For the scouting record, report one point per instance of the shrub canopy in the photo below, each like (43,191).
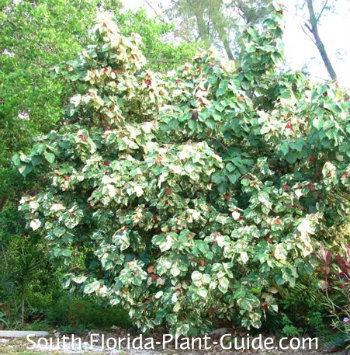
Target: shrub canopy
(194,195)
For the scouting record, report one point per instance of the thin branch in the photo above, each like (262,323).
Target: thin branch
(308,27)
(308,34)
(154,10)
(320,14)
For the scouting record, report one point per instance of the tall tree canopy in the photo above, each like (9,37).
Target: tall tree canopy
(219,23)
(216,21)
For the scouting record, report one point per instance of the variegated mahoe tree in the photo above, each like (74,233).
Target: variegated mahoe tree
(194,195)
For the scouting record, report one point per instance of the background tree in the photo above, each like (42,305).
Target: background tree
(215,22)
(312,26)
(218,22)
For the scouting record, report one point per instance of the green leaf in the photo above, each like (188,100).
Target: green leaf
(202,292)
(50,157)
(16,160)
(285,148)
(79,279)
(292,157)
(223,284)
(230,167)
(91,287)
(222,88)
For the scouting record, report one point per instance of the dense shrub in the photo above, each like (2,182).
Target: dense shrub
(194,195)
(35,35)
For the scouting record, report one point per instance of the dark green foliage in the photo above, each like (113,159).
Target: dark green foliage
(338,342)
(334,275)
(80,314)
(27,276)
(25,272)
(305,311)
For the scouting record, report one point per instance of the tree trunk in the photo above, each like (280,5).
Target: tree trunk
(217,19)
(22,311)
(226,44)
(201,25)
(3,203)
(320,46)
